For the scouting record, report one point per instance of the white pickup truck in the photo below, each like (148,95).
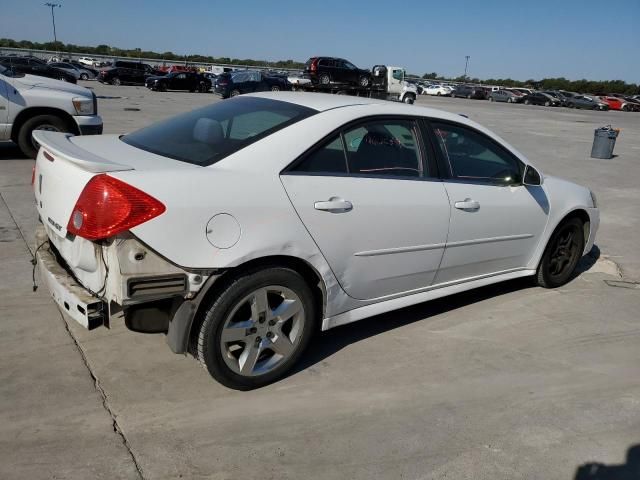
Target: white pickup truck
(30,102)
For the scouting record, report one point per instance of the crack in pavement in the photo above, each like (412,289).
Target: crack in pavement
(105,400)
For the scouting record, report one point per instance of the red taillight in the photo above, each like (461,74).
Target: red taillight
(108,206)
(314,65)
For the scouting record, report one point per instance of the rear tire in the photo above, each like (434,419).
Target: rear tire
(364,81)
(527,102)
(51,123)
(245,357)
(84,76)
(491,99)
(562,254)
(409,99)
(324,79)
(547,103)
(116,82)
(275,88)
(235,92)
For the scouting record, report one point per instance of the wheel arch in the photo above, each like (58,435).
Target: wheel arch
(311,276)
(31,112)
(577,212)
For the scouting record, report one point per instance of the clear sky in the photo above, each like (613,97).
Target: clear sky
(593,39)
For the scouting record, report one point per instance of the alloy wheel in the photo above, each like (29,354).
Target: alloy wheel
(262,331)
(565,252)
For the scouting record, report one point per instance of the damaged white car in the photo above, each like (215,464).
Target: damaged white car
(243,227)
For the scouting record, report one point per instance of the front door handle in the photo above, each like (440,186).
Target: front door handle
(467,204)
(334,205)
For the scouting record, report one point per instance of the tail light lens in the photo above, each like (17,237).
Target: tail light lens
(108,206)
(33,176)
(314,65)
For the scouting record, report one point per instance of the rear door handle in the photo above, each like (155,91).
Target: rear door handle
(467,204)
(334,205)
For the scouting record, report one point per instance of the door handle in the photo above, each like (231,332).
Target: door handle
(467,204)
(334,205)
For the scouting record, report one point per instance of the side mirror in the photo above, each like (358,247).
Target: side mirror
(532,177)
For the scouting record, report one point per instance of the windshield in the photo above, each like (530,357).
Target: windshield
(207,135)
(7,72)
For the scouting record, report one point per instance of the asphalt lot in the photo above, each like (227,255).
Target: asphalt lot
(505,382)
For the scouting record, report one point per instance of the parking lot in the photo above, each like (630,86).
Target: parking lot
(508,381)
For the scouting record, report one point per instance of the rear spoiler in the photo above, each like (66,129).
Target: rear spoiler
(61,146)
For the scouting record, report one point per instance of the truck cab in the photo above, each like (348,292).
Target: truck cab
(29,103)
(392,81)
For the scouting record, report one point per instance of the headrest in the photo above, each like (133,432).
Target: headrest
(208,131)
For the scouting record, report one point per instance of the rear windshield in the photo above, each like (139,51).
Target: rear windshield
(207,135)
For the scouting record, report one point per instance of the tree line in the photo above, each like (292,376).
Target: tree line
(139,53)
(560,83)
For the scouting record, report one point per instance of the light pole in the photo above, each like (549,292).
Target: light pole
(466,64)
(53,18)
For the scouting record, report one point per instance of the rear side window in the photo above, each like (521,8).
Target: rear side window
(378,148)
(207,135)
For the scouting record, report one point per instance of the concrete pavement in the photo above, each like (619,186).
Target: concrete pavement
(508,381)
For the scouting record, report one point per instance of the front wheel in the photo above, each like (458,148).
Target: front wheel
(547,103)
(51,123)
(491,99)
(257,328)
(235,92)
(324,79)
(275,88)
(562,254)
(409,99)
(527,102)
(84,76)
(116,82)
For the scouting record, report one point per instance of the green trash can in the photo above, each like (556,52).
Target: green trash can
(604,139)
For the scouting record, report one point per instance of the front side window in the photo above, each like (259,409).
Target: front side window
(473,156)
(385,148)
(207,135)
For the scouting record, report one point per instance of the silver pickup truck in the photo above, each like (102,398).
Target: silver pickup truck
(30,102)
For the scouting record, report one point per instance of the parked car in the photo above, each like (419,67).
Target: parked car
(558,95)
(469,91)
(524,91)
(179,81)
(326,70)
(239,237)
(540,98)
(90,62)
(246,81)
(122,71)
(437,90)
(89,69)
(31,103)
(34,66)
(505,96)
(80,73)
(586,102)
(615,103)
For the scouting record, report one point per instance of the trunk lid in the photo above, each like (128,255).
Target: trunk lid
(62,170)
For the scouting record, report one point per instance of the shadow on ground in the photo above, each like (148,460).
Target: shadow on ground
(10,151)
(328,343)
(630,470)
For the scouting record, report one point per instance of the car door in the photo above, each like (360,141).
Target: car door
(496,221)
(374,207)
(180,82)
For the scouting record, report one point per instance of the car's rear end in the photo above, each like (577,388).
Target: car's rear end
(311,68)
(88,258)
(223,85)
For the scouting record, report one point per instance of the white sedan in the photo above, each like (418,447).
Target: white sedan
(243,227)
(437,90)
